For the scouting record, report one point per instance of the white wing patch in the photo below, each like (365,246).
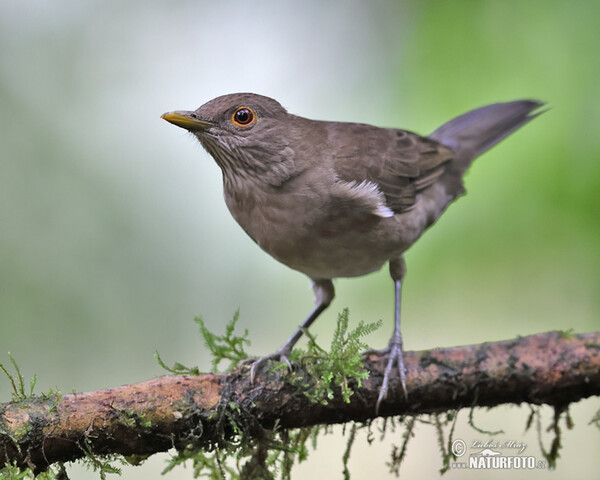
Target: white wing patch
(368,194)
(384,211)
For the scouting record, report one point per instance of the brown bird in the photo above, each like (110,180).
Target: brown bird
(336,199)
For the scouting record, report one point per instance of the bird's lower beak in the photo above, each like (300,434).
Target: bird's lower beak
(186,119)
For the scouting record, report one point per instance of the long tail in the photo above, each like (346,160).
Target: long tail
(479,130)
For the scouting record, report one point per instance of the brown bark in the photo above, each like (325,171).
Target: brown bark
(174,411)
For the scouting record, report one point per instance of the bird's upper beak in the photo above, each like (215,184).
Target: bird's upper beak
(186,119)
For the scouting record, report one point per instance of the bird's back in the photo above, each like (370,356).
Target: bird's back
(362,195)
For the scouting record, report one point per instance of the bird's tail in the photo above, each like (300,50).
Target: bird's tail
(476,131)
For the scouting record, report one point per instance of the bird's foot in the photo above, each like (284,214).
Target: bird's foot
(393,355)
(280,355)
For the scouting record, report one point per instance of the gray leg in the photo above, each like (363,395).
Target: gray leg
(324,293)
(394,350)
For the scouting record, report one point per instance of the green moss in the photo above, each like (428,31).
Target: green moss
(11,471)
(273,453)
(256,452)
(21,433)
(338,369)
(133,419)
(567,334)
(553,453)
(17,381)
(226,347)
(136,460)
(491,433)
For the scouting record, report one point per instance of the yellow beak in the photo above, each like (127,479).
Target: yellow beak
(186,119)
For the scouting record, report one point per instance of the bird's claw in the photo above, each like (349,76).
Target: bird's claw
(278,356)
(393,354)
(374,351)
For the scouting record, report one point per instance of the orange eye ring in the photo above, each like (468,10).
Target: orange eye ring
(243,117)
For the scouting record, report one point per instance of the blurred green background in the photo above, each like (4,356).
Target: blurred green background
(114,234)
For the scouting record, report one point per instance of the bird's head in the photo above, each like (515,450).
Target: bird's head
(244,132)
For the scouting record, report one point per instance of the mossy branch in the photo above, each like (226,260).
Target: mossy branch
(187,411)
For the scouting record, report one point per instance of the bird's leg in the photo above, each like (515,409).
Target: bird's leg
(393,352)
(324,293)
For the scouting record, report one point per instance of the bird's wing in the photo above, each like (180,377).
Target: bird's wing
(400,163)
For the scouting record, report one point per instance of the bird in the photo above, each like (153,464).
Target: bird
(340,199)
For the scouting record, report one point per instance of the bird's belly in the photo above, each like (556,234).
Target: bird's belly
(324,245)
(340,249)
(323,259)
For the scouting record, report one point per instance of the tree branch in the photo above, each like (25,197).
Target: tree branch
(173,411)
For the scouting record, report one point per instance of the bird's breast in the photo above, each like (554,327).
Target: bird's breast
(302,230)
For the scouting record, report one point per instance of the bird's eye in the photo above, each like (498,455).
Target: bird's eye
(243,117)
